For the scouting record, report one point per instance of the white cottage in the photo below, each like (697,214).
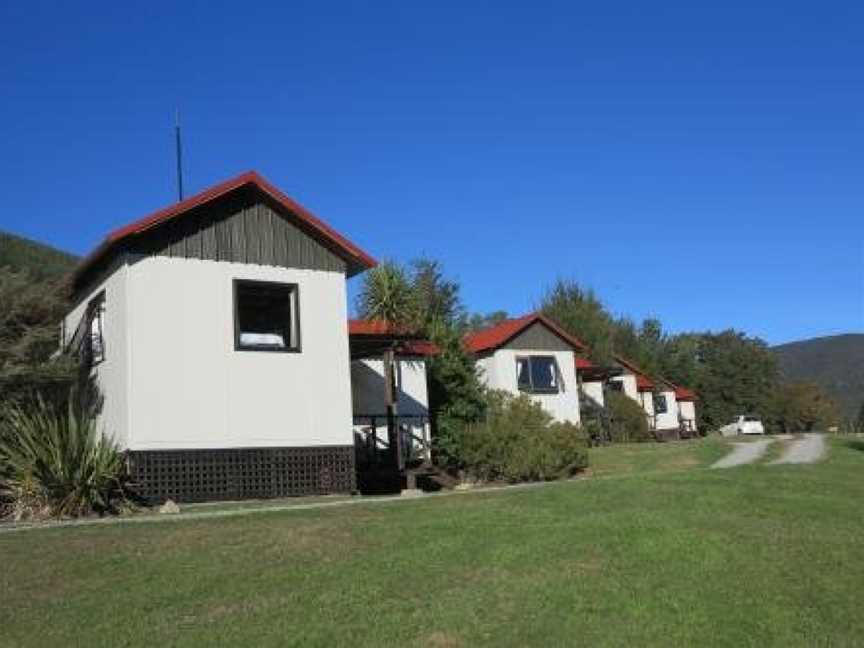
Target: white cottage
(217,332)
(626,380)
(531,355)
(686,399)
(670,409)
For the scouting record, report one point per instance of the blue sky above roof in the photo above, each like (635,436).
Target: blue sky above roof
(702,165)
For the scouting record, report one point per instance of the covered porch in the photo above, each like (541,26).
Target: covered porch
(390,406)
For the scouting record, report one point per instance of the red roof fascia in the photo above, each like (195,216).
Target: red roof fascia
(643,382)
(498,335)
(251,178)
(373,327)
(583,363)
(418,348)
(684,394)
(409,344)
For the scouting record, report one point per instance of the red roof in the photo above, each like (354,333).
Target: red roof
(684,394)
(583,363)
(373,327)
(315,226)
(498,335)
(410,344)
(418,348)
(643,382)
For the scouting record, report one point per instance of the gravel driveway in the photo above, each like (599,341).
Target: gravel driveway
(809,449)
(743,453)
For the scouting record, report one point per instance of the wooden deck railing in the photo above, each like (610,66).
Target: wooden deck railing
(373,447)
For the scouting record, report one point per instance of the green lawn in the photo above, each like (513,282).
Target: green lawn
(758,555)
(656,457)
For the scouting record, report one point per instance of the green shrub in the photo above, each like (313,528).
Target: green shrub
(625,421)
(57,463)
(519,441)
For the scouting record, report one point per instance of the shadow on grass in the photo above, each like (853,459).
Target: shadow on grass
(855,444)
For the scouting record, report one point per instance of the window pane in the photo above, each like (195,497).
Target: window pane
(659,404)
(523,380)
(264,316)
(97,330)
(544,375)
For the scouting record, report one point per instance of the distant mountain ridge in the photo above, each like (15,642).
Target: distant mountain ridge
(40,260)
(836,363)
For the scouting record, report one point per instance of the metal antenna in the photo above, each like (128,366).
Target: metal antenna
(179,154)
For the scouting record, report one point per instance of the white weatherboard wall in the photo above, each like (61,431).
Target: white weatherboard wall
(629,382)
(593,390)
(111,375)
(189,388)
(688,412)
(669,419)
(499,372)
(646,399)
(367,392)
(367,386)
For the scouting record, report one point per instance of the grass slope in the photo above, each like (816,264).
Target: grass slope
(758,555)
(836,363)
(40,260)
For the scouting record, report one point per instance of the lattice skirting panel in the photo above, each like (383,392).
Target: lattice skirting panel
(241,473)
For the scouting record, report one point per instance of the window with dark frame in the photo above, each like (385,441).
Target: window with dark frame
(660,405)
(96,332)
(266,316)
(538,374)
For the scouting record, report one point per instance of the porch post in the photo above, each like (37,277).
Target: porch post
(394,439)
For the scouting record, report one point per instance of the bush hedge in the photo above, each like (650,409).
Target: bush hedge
(517,440)
(626,421)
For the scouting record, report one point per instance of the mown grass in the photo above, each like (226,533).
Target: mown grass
(673,456)
(757,555)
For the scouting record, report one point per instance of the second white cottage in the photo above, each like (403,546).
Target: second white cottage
(531,355)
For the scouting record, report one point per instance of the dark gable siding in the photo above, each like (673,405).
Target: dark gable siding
(243,229)
(538,337)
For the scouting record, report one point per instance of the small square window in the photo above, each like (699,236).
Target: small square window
(266,316)
(538,374)
(660,406)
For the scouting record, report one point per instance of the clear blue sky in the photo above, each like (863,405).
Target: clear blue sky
(705,166)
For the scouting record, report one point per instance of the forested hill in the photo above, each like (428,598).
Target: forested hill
(40,260)
(835,363)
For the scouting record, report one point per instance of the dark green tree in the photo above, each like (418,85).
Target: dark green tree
(478,321)
(388,294)
(436,297)
(422,299)
(31,310)
(456,395)
(803,407)
(733,374)
(582,314)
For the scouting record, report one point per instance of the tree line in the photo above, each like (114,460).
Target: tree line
(732,372)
